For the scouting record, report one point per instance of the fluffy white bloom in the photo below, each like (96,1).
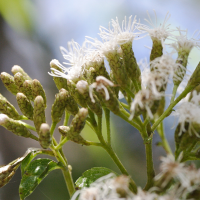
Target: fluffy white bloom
(101,83)
(182,43)
(105,47)
(144,99)
(76,59)
(167,67)
(82,86)
(189,112)
(170,168)
(106,188)
(160,32)
(125,33)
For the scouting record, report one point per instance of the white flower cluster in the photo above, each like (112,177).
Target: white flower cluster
(110,187)
(187,178)
(82,58)
(189,112)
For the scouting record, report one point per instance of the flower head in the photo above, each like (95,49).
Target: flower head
(101,83)
(122,34)
(189,112)
(75,56)
(160,32)
(182,43)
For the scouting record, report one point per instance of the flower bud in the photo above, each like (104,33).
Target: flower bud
(25,105)
(78,122)
(195,78)
(116,63)
(132,69)
(63,100)
(38,90)
(156,50)
(9,82)
(76,95)
(16,127)
(60,82)
(6,173)
(19,80)
(7,108)
(83,88)
(44,136)
(15,69)
(66,132)
(27,85)
(39,112)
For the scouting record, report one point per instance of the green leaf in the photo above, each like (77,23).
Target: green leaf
(31,154)
(35,172)
(92,175)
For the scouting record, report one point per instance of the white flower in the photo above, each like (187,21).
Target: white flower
(183,43)
(144,99)
(75,56)
(105,47)
(167,67)
(105,188)
(160,32)
(170,168)
(122,34)
(189,112)
(101,83)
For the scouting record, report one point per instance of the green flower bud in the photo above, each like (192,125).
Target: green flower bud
(44,136)
(77,96)
(15,69)
(195,78)
(78,122)
(6,173)
(83,88)
(38,90)
(15,126)
(156,50)
(182,60)
(132,68)
(27,87)
(39,112)
(116,63)
(9,82)
(60,82)
(19,80)
(25,105)
(66,132)
(7,108)
(63,100)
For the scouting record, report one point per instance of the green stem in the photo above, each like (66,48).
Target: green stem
(165,143)
(169,109)
(115,158)
(125,105)
(149,163)
(62,142)
(66,173)
(53,126)
(67,115)
(134,122)
(22,117)
(174,93)
(107,115)
(28,126)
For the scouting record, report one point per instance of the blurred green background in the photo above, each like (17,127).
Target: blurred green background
(31,32)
